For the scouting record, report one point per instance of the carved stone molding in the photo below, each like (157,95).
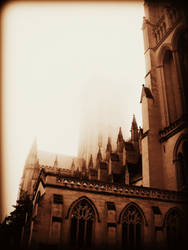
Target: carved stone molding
(140,192)
(172,129)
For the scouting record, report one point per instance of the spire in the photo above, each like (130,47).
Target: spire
(73,165)
(134,123)
(90,165)
(134,130)
(120,136)
(32,156)
(56,162)
(99,155)
(34,145)
(99,140)
(84,167)
(120,142)
(31,170)
(109,146)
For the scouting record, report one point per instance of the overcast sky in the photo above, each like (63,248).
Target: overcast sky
(62,63)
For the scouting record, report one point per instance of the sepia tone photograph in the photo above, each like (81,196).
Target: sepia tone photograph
(94,125)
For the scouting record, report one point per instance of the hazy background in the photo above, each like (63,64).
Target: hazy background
(67,67)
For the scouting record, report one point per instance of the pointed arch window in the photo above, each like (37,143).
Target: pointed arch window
(170,81)
(181,170)
(174,229)
(181,162)
(185,153)
(183,61)
(82,224)
(132,228)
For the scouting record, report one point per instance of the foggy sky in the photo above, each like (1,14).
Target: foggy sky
(67,68)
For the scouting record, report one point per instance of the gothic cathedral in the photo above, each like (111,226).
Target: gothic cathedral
(133,197)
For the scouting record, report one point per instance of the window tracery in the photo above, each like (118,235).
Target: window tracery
(82,222)
(181,163)
(132,224)
(173,229)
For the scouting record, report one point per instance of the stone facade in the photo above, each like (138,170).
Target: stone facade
(51,223)
(136,195)
(164,94)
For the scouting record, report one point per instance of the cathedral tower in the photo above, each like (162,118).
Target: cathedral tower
(164,94)
(31,170)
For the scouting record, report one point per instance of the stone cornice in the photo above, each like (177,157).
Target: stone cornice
(98,187)
(172,129)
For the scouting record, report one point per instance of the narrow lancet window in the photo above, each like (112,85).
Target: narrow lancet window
(82,223)
(173,229)
(183,61)
(132,227)
(170,81)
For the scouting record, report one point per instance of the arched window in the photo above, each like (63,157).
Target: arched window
(132,228)
(181,162)
(181,170)
(82,223)
(185,162)
(170,81)
(174,229)
(185,152)
(183,61)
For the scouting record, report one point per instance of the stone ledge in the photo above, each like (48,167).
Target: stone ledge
(172,129)
(73,183)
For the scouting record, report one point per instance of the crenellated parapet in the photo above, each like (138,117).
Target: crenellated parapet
(95,186)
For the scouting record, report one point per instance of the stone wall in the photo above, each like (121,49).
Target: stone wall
(52,222)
